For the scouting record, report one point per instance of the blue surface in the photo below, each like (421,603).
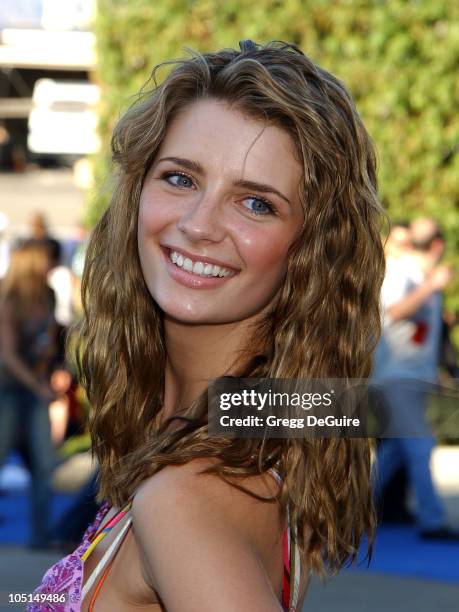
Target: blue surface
(397,550)
(14,515)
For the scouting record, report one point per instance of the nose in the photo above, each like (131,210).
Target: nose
(203,220)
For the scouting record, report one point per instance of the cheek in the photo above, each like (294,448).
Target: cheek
(152,216)
(265,252)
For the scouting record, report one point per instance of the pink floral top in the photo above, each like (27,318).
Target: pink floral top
(66,576)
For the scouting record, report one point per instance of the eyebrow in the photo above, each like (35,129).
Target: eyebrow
(186,163)
(253,185)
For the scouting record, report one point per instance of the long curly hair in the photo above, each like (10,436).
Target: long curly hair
(326,322)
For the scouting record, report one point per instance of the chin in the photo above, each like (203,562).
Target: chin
(181,313)
(192,318)
(198,317)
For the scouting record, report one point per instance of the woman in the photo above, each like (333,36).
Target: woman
(28,350)
(242,240)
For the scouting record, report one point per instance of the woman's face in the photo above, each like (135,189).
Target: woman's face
(218,212)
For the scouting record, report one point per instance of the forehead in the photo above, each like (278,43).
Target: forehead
(226,140)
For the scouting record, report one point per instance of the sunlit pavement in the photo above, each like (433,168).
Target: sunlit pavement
(365,592)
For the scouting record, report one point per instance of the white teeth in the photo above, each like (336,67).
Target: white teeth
(198,267)
(188,265)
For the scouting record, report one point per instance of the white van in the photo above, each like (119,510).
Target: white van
(63,118)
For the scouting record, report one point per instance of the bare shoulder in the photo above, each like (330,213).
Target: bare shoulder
(204,544)
(182,492)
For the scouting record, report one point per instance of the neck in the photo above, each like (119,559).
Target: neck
(196,354)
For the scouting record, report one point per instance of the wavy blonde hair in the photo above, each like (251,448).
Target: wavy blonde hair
(325,324)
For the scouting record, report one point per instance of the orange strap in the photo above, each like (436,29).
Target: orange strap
(99,585)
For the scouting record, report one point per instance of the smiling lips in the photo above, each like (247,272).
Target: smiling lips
(197,267)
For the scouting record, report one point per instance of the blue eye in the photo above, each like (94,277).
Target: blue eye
(178,179)
(262,207)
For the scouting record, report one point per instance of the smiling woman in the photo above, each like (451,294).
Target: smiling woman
(207,207)
(243,239)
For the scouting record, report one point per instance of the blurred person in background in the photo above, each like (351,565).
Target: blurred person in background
(39,232)
(60,279)
(406,361)
(449,360)
(398,244)
(28,349)
(72,244)
(394,509)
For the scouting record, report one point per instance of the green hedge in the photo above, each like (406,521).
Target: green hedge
(399,59)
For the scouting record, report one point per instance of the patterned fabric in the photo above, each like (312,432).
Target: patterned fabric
(66,576)
(102,532)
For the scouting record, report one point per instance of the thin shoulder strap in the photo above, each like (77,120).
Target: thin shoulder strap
(111,550)
(292,571)
(292,564)
(295,574)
